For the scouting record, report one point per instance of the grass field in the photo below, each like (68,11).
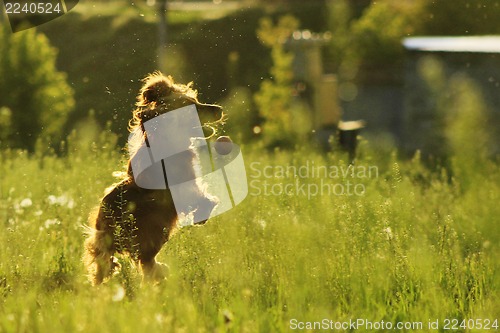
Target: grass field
(415,246)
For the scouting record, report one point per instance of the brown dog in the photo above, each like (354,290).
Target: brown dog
(137,221)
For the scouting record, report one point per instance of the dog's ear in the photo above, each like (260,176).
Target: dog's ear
(156,91)
(210,111)
(212,116)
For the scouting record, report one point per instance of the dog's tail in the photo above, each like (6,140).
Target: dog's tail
(98,252)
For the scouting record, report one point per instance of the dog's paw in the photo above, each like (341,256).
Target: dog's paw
(155,272)
(115,266)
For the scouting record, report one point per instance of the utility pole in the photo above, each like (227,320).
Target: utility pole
(162,34)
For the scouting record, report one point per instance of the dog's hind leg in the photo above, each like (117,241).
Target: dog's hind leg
(98,257)
(154,271)
(99,246)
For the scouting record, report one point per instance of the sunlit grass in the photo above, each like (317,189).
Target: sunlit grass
(414,247)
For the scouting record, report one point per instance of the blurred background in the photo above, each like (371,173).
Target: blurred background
(285,70)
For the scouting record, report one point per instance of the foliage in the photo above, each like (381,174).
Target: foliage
(339,25)
(35,97)
(454,111)
(372,40)
(123,44)
(241,119)
(283,120)
(108,83)
(461,17)
(374,46)
(467,116)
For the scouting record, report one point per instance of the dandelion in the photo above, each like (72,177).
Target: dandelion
(186,220)
(159,318)
(62,200)
(119,294)
(388,233)
(18,209)
(26,203)
(71,203)
(50,222)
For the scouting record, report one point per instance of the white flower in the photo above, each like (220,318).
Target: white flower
(71,203)
(52,199)
(26,203)
(62,200)
(50,222)
(18,208)
(159,318)
(119,294)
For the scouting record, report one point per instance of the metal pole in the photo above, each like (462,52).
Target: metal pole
(162,34)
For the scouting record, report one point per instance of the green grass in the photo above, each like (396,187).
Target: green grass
(416,246)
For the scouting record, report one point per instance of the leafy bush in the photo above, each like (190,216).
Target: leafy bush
(467,130)
(283,121)
(453,124)
(377,35)
(35,92)
(372,40)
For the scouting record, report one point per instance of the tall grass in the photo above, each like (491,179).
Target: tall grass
(415,246)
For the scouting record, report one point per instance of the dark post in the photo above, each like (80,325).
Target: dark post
(348,136)
(162,34)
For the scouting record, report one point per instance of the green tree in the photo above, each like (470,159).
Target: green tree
(282,124)
(468,130)
(377,35)
(37,95)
